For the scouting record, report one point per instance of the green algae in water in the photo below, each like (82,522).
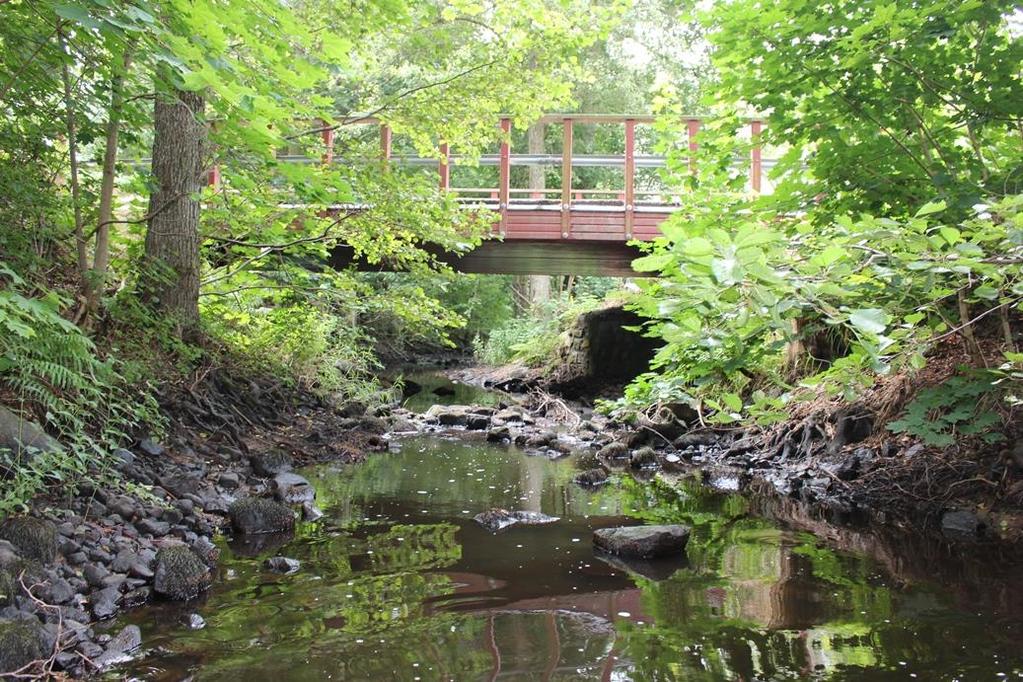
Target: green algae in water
(398,583)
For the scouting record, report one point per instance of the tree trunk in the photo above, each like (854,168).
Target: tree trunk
(172,240)
(533,289)
(94,280)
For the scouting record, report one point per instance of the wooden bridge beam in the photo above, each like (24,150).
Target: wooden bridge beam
(444,169)
(630,175)
(566,179)
(504,182)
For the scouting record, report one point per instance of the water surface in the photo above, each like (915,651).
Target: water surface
(398,583)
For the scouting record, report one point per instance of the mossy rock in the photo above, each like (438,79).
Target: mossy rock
(10,583)
(271,463)
(35,539)
(615,450)
(180,573)
(21,642)
(253,515)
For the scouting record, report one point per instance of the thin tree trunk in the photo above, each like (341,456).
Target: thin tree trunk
(76,187)
(101,259)
(172,239)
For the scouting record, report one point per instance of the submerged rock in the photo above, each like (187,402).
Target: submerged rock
(180,573)
(612,451)
(310,512)
(592,477)
(499,519)
(283,564)
(253,515)
(21,642)
(194,621)
(642,541)
(35,539)
(644,457)
(119,649)
(499,434)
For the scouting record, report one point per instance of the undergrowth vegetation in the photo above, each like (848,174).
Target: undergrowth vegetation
(90,401)
(894,233)
(532,338)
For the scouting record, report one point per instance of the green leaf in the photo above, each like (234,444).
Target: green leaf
(986,292)
(869,320)
(655,262)
(950,234)
(732,401)
(931,207)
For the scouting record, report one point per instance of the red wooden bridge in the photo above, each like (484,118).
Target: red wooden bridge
(562,230)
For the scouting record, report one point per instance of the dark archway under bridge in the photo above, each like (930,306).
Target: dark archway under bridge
(523,257)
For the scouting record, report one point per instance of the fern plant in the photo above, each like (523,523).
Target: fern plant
(55,374)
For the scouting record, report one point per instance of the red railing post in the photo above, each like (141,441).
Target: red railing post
(566,180)
(504,185)
(327,133)
(692,128)
(756,162)
(385,142)
(213,177)
(630,175)
(445,167)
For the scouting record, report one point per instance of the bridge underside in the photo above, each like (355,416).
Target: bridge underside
(525,257)
(540,238)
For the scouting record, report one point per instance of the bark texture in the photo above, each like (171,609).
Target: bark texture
(172,240)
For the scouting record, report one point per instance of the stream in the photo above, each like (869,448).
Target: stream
(397,582)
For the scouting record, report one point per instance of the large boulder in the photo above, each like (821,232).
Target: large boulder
(21,440)
(499,519)
(293,489)
(591,477)
(271,463)
(12,565)
(35,539)
(120,648)
(448,415)
(645,542)
(180,573)
(21,642)
(255,515)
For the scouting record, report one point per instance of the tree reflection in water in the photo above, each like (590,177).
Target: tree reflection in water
(398,583)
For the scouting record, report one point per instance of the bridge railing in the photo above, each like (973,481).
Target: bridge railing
(627,200)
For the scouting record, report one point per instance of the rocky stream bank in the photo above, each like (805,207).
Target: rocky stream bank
(76,561)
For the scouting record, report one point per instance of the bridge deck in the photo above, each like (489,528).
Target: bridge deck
(589,222)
